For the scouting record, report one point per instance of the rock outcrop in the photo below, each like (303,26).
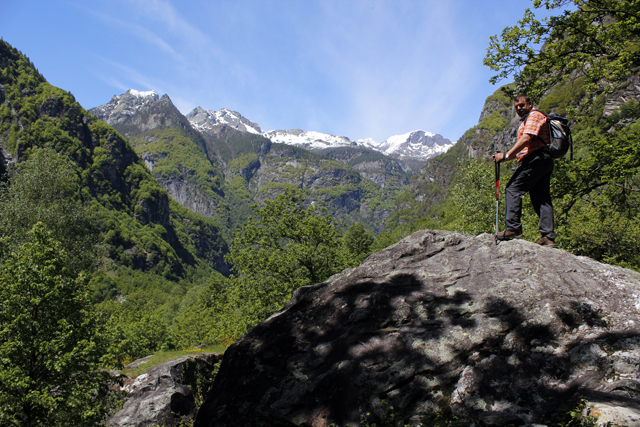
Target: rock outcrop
(205,120)
(507,333)
(164,396)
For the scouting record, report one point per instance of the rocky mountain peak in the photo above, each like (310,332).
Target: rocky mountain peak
(203,120)
(124,106)
(136,111)
(500,333)
(417,144)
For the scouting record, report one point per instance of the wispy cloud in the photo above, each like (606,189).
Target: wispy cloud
(391,80)
(204,61)
(136,30)
(362,68)
(162,13)
(129,78)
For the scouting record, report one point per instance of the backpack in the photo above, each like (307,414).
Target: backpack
(560,135)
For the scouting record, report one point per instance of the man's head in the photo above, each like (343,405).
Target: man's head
(522,104)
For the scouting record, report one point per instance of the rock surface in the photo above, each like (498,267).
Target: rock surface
(500,333)
(164,396)
(204,120)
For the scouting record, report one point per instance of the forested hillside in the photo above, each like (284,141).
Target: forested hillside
(72,185)
(142,227)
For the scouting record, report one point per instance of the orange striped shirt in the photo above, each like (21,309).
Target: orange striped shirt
(536,126)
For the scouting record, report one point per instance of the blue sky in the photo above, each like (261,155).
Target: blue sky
(358,68)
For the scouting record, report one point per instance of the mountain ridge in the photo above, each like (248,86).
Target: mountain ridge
(214,166)
(416,144)
(204,119)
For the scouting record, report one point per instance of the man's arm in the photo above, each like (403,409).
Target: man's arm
(517,147)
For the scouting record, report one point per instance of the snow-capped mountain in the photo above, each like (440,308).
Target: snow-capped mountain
(202,119)
(417,145)
(123,106)
(310,140)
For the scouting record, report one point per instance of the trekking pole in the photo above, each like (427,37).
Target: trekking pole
(497,168)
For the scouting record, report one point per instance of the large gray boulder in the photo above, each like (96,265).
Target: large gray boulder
(165,395)
(499,333)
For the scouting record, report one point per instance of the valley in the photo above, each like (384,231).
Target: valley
(132,230)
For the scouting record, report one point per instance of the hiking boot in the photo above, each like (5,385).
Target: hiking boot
(545,241)
(508,235)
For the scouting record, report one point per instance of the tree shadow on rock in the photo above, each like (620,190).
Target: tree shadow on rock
(345,349)
(335,352)
(535,371)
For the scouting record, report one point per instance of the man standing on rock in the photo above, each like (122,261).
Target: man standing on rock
(533,175)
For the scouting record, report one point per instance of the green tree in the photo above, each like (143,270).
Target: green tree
(280,248)
(52,345)
(45,188)
(136,324)
(221,313)
(357,243)
(285,245)
(597,39)
(607,235)
(598,197)
(474,198)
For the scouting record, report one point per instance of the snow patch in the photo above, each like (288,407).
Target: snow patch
(142,94)
(308,139)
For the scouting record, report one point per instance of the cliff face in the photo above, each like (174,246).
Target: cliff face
(503,334)
(174,152)
(376,167)
(496,130)
(341,189)
(630,92)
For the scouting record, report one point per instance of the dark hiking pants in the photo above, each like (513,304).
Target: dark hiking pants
(533,176)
